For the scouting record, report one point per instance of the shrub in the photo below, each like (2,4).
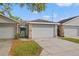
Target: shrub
(17,35)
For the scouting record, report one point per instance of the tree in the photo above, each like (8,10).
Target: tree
(13,17)
(32,6)
(7,10)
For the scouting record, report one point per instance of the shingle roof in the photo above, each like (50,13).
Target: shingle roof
(65,20)
(41,20)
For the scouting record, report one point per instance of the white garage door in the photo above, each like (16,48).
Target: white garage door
(42,31)
(7,32)
(71,31)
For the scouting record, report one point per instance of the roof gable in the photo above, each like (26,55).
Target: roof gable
(4,19)
(68,19)
(72,21)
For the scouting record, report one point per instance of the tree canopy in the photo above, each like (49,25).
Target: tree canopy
(6,8)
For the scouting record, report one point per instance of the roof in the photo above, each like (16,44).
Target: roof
(41,20)
(65,20)
(9,18)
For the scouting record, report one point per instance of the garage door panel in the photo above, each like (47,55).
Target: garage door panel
(70,31)
(42,31)
(7,32)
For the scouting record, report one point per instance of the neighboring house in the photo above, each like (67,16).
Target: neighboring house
(69,27)
(8,27)
(41,29)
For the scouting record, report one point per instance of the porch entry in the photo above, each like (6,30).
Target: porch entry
(23,32)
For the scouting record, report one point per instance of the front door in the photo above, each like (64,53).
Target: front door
(23,32)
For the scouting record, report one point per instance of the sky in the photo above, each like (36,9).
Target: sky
(53,12)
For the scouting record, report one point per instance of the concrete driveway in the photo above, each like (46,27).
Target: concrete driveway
(5,46)
(58,47)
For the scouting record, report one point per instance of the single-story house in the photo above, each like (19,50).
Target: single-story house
(8,27)
(31,29)
(41,29)
(69,27)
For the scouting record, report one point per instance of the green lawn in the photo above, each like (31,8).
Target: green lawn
(25,48)
(76,40)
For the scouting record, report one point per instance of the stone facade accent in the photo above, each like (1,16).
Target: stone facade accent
(30,30)
(61,30)
(17,33)
(18,30)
